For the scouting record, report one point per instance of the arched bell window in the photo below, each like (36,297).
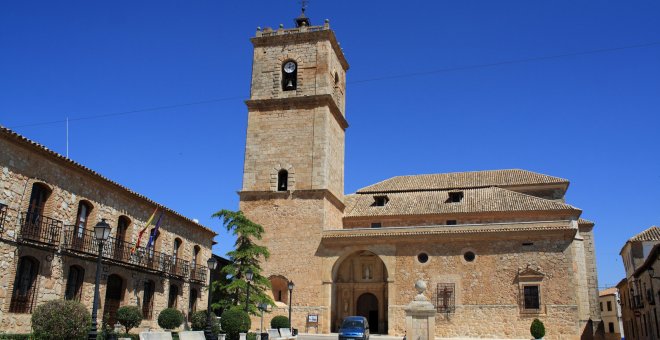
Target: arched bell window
(282,180)
(289,75)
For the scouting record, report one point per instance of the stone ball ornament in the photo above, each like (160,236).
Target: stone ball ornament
(420,285)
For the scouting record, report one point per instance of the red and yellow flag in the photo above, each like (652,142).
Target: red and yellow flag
(137,244)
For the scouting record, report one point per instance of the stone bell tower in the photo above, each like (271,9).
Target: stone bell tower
(293,177)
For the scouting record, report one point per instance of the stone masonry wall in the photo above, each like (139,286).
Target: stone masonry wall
(20,167)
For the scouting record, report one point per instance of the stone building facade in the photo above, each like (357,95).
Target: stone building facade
(610,309)
(640,290)
(497,248)
(49,206)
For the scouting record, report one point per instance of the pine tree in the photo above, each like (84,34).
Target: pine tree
(246,255)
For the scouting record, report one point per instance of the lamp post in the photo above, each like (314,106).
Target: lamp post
(101,233)
(248,275)
(291,285)
(262,307)
(208,332)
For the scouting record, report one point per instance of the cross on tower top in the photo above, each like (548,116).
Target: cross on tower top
(303,20)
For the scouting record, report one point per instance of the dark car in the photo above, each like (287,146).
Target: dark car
(354,328)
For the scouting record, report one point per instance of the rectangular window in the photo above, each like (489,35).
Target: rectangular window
(532,299)
(609,306)
(376,225)
(611,327)
(451,222)
(601,306)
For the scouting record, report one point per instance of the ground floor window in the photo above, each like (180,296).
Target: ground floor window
(148,299)
(25,283)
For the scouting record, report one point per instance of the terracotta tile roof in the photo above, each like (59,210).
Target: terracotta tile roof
(10,134)
(650,234)
(582,221)
(608,291)
(463,180)
(492,199)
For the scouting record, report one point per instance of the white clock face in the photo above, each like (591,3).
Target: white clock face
(289,67)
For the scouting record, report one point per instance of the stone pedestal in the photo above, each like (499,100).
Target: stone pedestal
(420,316)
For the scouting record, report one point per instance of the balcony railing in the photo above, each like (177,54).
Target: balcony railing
(3,215)
(40,229)
(637,302)
(83,241)
(198,273)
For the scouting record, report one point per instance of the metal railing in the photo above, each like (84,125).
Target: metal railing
(637,302)
(198,273)
(83,241)
(41,229)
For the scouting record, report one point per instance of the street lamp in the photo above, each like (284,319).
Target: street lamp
(262,307)
(248,275)
(291,285)
(101,233)
(212,263)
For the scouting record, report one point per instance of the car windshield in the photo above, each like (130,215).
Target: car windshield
(352,324)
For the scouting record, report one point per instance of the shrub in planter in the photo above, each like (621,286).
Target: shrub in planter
(129,317)
(60,319)
(280,321)
(537,329)
(199,322)
(235,321)
(170,318)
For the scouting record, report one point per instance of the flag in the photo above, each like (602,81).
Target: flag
(154,232)
(137,244)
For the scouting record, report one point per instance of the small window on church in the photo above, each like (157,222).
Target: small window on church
(532,298)
(283,180)
(469,256)
(455,197)
(336,79)
(451,222)
(289,75)
(422,257)
(380,201)
(376,225)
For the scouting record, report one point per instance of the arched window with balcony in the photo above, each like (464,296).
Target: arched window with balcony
(37,205)
(84,209)
(25,285)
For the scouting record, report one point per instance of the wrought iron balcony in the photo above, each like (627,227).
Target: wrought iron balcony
(198,273)
(637,302)
(40,229)
(83,241)
(3,215)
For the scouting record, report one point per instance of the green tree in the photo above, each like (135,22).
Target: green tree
(246,255)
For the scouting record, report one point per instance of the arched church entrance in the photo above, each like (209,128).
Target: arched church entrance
(359,287)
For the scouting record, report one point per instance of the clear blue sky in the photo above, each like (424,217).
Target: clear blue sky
(592,118)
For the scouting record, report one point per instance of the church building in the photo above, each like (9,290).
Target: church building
(497,248)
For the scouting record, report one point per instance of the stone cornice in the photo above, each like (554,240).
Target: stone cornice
(300,194)
(487,229)
(311,34)
(297,103)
